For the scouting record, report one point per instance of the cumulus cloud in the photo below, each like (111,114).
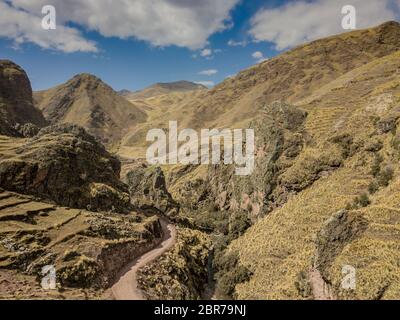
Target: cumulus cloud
(184,23)
(301,21)
(24,27)
(209,72)
(259,56)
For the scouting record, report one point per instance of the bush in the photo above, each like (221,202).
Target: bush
(376,167)
(230,273)
(373,187)
(362,201)
(345,141)
(239,223)
(385,176)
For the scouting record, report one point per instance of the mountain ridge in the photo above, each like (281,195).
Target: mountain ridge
(87,101)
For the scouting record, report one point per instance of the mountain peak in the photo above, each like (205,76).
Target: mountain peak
(86,77)
(182,85)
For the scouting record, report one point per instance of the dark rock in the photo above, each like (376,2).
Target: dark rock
(16,103)
(148,189)
(65,164)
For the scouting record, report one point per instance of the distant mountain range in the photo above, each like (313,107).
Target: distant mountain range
(162,89)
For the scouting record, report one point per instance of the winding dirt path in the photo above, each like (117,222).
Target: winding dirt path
(126,287)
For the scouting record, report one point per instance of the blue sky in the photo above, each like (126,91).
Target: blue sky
(235,34)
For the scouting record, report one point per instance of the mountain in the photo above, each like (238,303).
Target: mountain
(323,197)
(292,76)
(87,101)
(17,112)
(62,205)
(322,202)
(160,89)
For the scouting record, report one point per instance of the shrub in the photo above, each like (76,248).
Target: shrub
(385,176)
(345,141)
(239,223)
(362,201)
(376,167)
(230,273)
(373,187)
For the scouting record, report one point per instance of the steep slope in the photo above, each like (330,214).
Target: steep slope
(358,112)
(87,249)
(291,77)
(17,112)
(64,164)
(324,192)
(87,101)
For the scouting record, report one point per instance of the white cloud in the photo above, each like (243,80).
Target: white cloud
(184,23)
(208,72)
(206,83)
(233,43)
(300,21)
(24,27)
(259,56)
(206,52)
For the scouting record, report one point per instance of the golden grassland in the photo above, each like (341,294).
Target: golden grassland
(281,245)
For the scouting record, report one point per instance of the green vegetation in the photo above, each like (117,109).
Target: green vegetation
(230,273)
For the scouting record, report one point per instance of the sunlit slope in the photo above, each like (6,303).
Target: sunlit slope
(359,111)
(87,101)
(292,77)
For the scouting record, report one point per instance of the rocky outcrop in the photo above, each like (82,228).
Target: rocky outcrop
(279,140)
(147,188)
(65,164)
(181,273)
(17,111)
(340,229)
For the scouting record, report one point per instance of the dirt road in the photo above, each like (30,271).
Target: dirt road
(126,288)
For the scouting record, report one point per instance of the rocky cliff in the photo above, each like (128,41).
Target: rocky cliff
(17,113)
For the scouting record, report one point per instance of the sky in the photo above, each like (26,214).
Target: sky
(131,44)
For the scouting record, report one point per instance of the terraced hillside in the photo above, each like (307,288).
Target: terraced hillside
(360,112)
(87,249)
(323,193)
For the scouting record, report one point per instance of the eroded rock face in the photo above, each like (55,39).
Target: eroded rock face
(340,229)
(148,189)
(16,104)
(279,141)
(65,164)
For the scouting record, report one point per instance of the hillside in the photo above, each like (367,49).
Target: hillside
(87,101)
(323,193)
(360,112)
(62,204)
(290,77)
(323,196)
